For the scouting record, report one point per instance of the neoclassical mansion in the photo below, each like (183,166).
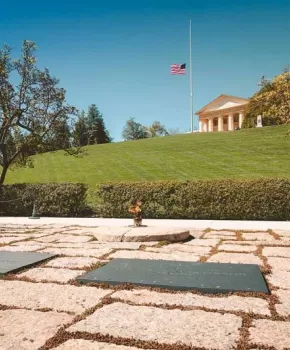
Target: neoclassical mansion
(225,113)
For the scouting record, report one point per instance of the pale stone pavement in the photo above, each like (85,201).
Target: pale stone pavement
(43,308)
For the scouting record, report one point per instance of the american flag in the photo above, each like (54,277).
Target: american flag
(178,68)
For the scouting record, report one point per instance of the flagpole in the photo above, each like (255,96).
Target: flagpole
(190,77)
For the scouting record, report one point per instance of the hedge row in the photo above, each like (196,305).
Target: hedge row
(264,199)
(63,200)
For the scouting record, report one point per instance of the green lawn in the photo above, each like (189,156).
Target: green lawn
(242,154)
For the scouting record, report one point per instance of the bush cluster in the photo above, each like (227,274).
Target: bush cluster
(263,199)
(59,200)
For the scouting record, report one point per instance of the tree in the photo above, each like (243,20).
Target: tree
(272,102)
(30,110)
(174,131)
(61,136)
(80,131)
(134,131)
(157,129)
(97,132)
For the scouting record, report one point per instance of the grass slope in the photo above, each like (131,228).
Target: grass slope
(242,154)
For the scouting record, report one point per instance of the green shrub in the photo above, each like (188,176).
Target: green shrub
(63,200)
(263,199)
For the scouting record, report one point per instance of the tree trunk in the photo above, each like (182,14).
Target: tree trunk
(3,174)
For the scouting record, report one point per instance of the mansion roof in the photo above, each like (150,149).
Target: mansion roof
(224,102)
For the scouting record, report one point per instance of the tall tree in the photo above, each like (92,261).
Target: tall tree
(134,131)
(97,132)
(80,131)
(272,102)
(30,110)
(61,136)
(157,129)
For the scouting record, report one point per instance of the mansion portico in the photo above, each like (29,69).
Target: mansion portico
(225,113)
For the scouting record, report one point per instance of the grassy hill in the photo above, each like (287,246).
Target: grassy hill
(242,154)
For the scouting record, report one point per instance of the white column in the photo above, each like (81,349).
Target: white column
(241,119)
(210,124)
(221,123)
(200,126)
(230,122)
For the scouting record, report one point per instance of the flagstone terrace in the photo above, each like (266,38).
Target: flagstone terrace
(43,307)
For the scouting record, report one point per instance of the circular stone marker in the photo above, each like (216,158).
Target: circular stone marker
(140,234)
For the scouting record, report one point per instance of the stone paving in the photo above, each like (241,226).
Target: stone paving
(44,308)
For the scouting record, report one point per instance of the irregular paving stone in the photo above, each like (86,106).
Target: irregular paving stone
(78,251)
(280,279)
(8,235)
(73,263)
(235,258)
(221,235)
(257,236)
(147,234)
(7,240)
(203,242)
(31,244)
(50,274)
(277,251)
(196,233)
(259,243)
(60,238)
(124,245)
(237,248)
(195,250)
(49,238)
(283,233)
(80,344)
(48,295)
(270,333)
(21,248)
(101,245)
(195,328)
(230,303)
(284,297)
(224,233)
(26,329)
(74,239)
(131,254)
(281,264)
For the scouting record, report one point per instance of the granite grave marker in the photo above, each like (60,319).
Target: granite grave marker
(11,262)
(179,275)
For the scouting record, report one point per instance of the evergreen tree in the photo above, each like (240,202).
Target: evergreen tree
(97,132)
(80,132)
(61,136)
(134,130)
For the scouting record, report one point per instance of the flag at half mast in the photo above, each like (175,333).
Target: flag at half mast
(178,68)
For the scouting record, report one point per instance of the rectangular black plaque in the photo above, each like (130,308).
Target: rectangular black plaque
(11,262)
(179,275)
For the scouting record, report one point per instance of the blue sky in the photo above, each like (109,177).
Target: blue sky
(117,54)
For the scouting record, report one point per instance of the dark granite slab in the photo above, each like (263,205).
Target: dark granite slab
(177,275)
(11,262)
